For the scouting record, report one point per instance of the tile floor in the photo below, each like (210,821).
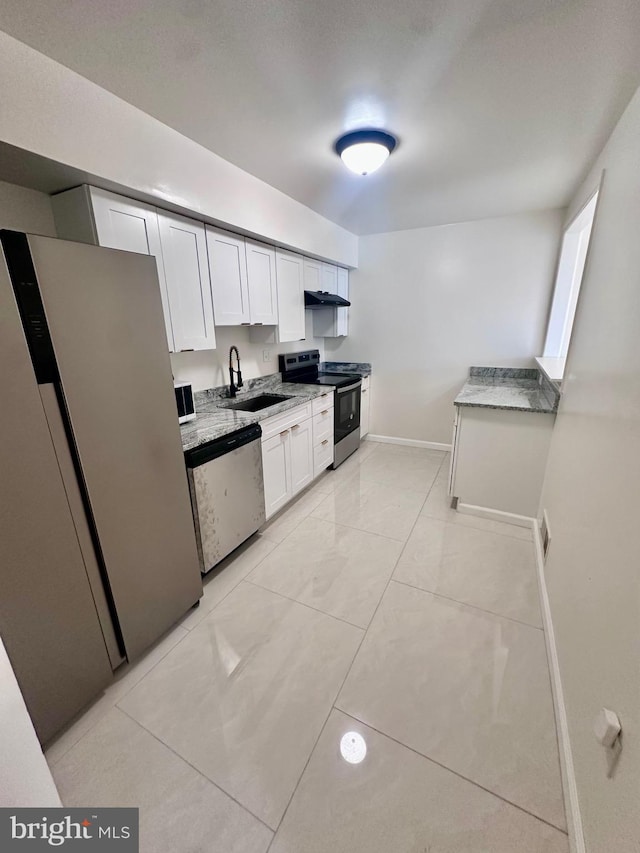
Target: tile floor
(366,675)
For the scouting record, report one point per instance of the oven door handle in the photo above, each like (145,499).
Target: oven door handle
(349,388)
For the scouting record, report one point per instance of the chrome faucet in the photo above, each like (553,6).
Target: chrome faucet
(232,386)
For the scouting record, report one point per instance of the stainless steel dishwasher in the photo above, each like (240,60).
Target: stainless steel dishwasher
(227,492)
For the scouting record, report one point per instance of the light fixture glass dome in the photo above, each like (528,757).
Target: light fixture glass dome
(364,151)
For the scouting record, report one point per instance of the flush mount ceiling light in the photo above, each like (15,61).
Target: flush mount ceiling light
(364,151)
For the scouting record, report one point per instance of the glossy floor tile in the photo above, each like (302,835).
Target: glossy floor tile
(402,467)
(333,568)
(395,801)
(118,763)
(494,572)
(330,480)
(126,678)
(286,521)
(245,695)
(369,594)
(438,505)
(219,582)
(464,687)
(373,507)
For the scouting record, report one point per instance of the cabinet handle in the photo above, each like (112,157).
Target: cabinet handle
(364,391)
(324,412)
(326,441)
(284,432)
(257,324)
(187,350)
(245,324)
(296,426)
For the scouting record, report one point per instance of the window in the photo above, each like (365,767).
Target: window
(568,280)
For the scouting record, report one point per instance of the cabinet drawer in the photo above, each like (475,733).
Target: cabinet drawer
(325,401)
(278,423)
(322,456)
(323,426)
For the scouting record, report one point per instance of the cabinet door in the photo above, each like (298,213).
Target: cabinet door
(365,407)
(290,296)
(329,278)
(133,227)
(228,265)
(301,455)
(342,314)
(276,468)
(312,274)
(188,286)
(261,280)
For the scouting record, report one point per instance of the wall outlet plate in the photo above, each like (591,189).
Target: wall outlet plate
(266,355)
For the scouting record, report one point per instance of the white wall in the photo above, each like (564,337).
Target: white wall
(430,302)
(25,779)
(56,113)
(592,496)
(210,368)
(25,210)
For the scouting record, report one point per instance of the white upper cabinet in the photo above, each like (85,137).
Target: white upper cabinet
(133,227)
(261,278)
(229,286)
(312,274)
(289,268)
(329,278)
(207,272)
(342,314)
(332,322)
(186,266)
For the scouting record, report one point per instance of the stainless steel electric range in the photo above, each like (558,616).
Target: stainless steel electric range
(304,367)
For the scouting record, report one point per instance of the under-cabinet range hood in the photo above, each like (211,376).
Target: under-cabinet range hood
(322,299)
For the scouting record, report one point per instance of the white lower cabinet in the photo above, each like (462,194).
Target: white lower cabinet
(287,456)
(499,458)
(297,446)
(365,405)
(301,455)
(276,467)
(323,433)
(322,456)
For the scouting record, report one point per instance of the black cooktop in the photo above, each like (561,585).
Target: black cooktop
(338,380)
(303,367)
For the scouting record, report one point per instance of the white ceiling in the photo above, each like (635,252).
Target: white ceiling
(499,105)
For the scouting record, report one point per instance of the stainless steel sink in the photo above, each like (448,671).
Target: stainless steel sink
(256,404)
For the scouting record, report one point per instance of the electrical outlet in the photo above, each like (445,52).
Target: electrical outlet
(266,355)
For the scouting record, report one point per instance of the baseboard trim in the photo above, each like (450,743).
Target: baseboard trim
(496,515)
(572,804)
(409,442)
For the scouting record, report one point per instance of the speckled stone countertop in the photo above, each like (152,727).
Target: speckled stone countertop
(214,419)
(361,367)
(509,388)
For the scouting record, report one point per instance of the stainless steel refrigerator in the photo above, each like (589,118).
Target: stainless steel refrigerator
(98,555)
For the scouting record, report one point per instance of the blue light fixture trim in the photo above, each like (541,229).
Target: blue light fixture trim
(358,136)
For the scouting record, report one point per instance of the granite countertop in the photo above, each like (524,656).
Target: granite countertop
(214,419)
(360,367)
(515,389)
